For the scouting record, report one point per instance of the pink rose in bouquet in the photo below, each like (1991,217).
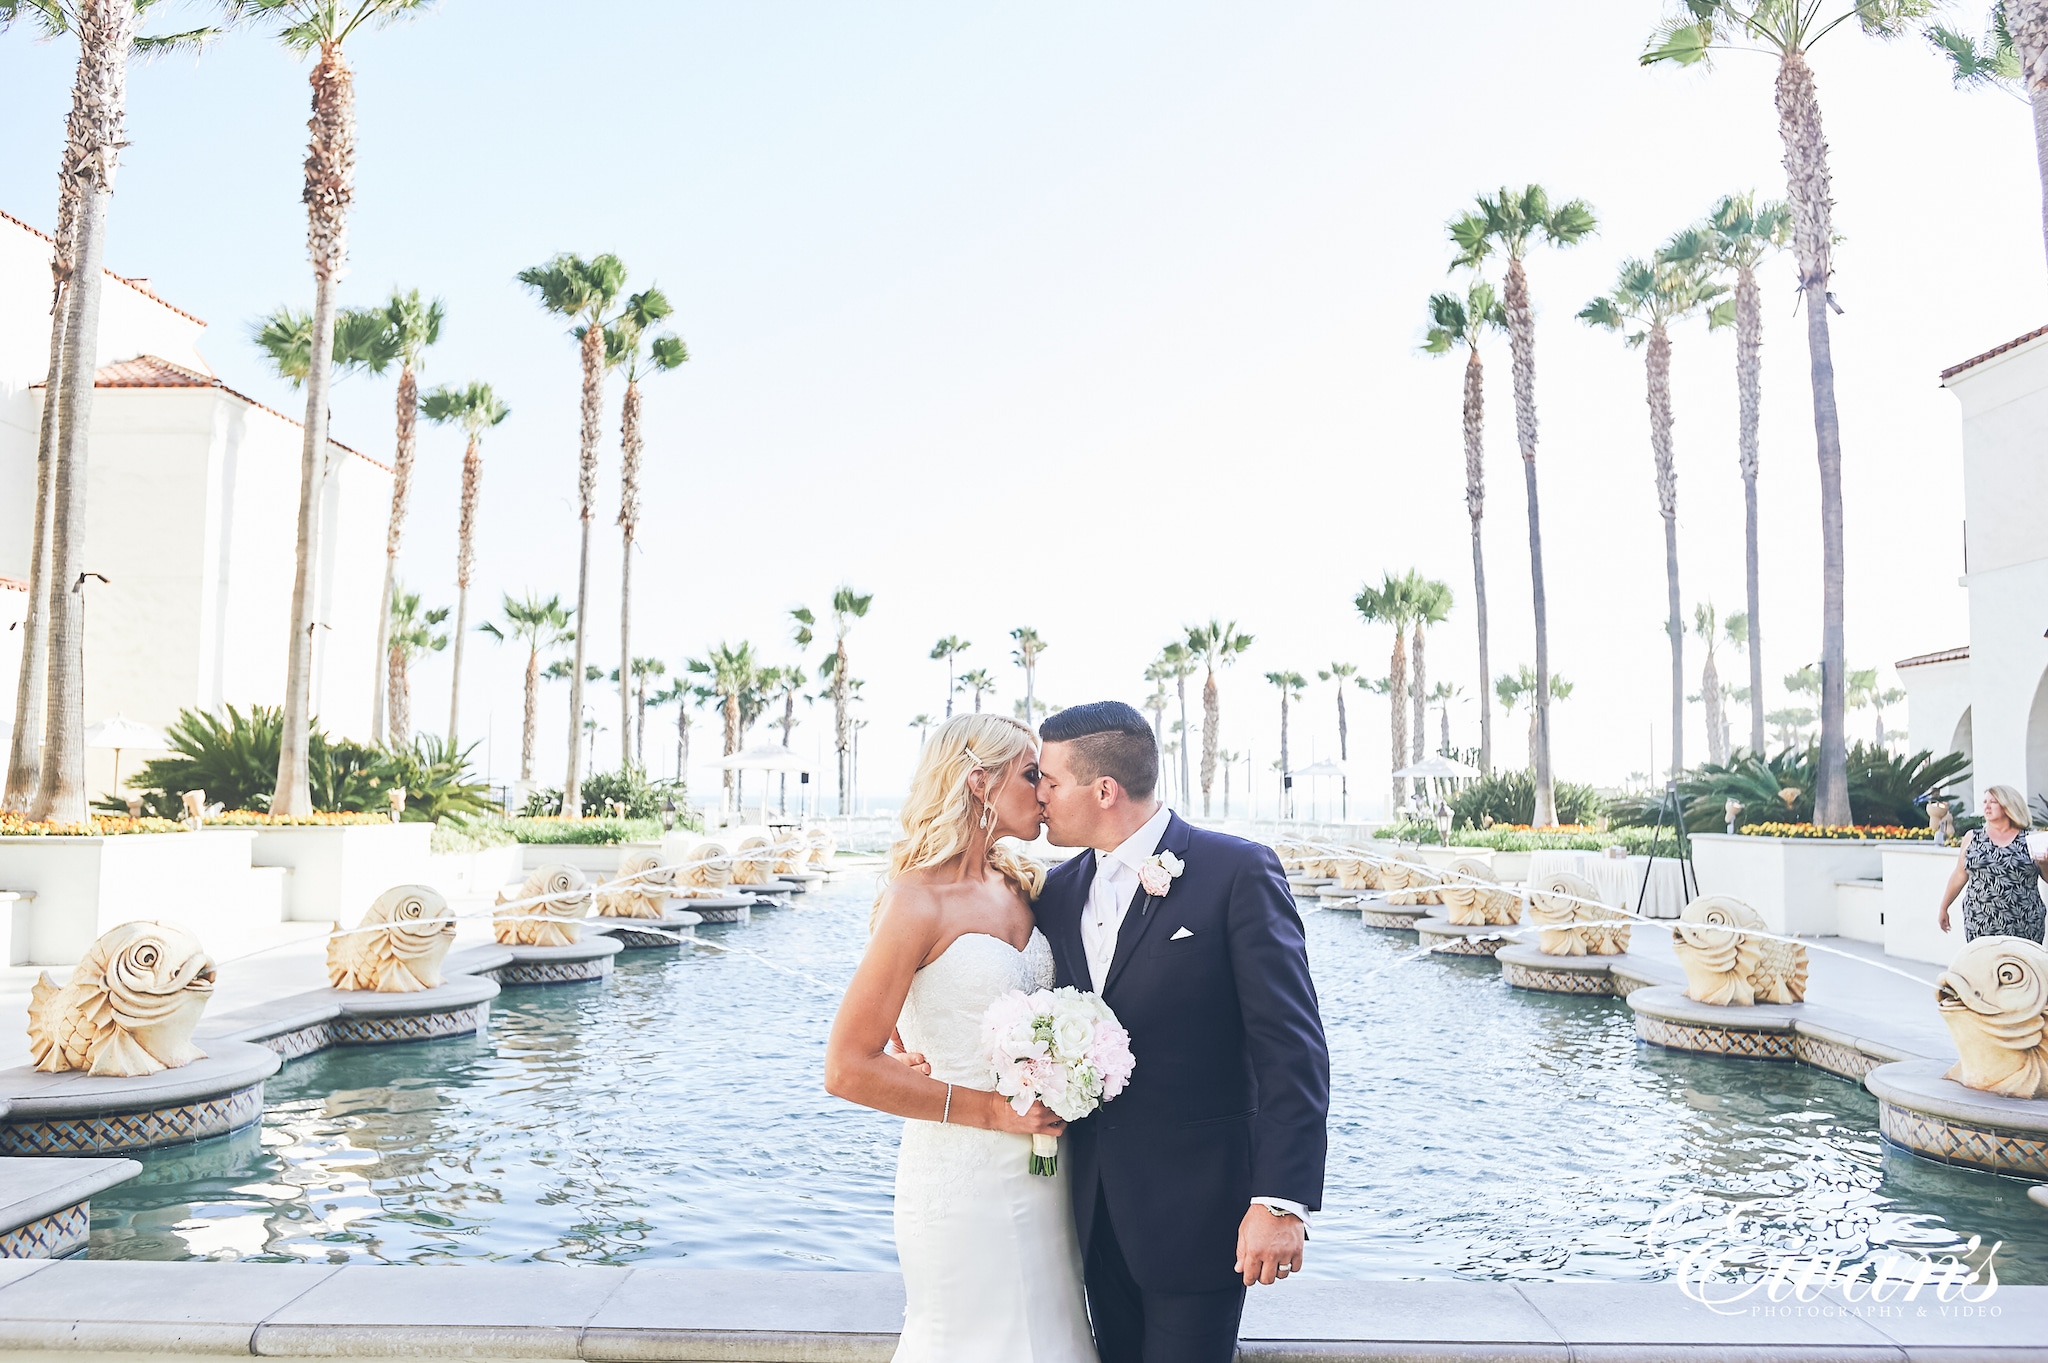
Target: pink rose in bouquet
(1060,1047)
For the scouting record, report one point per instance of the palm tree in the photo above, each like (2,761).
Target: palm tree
(2014,57)
(476,409)
(407,324)
(1029,646)
(1339,673)
(542,626)
(1790,723)
(304,27)
(682,695)
(1155,704)
(847,607)
(923,724)
(1732,242)
(1708,627)
(947,649)
(1176,664)
(412,633)
(1512,222)
(638,353)
(1432,607)
(1289,684)
(1218,645)
(1455,321)
(1648,296)
(784,684)
(583,291)
(1519,687)
(1229,760)
(1394,603)
(979,682)
(46,758)
(1789,30)
(1441,695)
(645,670)
(736,682)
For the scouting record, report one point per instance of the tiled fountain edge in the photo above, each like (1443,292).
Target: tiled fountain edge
(637,1315)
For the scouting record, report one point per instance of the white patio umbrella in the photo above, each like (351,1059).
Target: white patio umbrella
(1442,767)
(766,757)
(122,732)
(1329,768)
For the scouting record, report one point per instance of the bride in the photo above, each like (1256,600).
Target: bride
(991,1265)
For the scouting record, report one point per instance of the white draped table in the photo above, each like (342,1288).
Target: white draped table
(1619,880)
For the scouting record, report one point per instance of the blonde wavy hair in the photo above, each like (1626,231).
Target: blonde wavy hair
(2013,803)
(942,817)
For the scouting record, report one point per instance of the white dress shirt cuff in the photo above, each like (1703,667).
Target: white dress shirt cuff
(1281,1204)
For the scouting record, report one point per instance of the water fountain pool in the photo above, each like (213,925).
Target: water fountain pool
(672,1114)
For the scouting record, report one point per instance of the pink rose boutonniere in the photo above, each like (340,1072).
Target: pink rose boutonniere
(1157,873)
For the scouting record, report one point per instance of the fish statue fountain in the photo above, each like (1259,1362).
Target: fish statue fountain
(1571,920)
(1994,998)
(398,947)
(706,870)
(641,890)
(822,846)
(752,862)
(791,856)
(1356,873)
(129,1007)
(1738,968)
(564,897)
(1410,883)
(1472,898)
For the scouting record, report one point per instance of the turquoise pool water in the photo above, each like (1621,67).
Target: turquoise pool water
(672,1114)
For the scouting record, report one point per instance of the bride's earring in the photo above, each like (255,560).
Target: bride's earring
(988,815)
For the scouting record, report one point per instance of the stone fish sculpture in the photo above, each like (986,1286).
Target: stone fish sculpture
(1723,966)
(398,947)
(1410,883)
(1571,920)
(129,1007)
(752,862)
(647,884)
(791,856)
(706,870)
(1994,998)
(822,846)
(1356,873)
(564,896)
(1472,898)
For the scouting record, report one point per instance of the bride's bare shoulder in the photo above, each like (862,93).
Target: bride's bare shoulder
(908,905)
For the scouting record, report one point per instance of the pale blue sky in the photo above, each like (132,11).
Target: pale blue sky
(1101,319)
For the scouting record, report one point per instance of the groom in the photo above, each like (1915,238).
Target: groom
(1198,1180)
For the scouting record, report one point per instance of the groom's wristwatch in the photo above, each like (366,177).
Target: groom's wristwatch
(1279,1211)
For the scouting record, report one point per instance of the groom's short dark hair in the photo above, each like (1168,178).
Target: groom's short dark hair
(1110,739)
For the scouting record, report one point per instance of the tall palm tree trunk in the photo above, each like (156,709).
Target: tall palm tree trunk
(25,752)
(465,567)
(330,174)
(1475,506)
(1343,727)
(842,733)
(404,448)
(1286,767)
(1212,722)
(1657,363)
(1749,342)
(400,686)
(629,521)
(2027,21)
(1030,694)
(527,727)
(1418,697)
(1806,177)
(106,31)
(732,745)
(586,492)
(1522,349)
(1397,696)
(1710,700)
(1180,685)
(682,738)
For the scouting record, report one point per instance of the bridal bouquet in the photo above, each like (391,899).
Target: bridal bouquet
(1060,1047)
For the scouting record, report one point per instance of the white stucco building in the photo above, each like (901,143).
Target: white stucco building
(1988,698)
(191,515)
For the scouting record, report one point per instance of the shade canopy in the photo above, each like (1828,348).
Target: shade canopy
(1323,768)
(122,732)
(1440,766)
(763,757)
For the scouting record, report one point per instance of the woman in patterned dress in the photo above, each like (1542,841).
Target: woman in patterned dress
(2002,873)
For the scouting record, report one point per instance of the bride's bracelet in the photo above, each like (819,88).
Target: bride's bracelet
(947,1116)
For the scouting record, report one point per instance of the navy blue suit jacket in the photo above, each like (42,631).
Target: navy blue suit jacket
(1230,1099)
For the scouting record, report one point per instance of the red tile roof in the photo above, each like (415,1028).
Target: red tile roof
(1947,655)
(153,371)
(140,286)
(13,584)
(2015,343)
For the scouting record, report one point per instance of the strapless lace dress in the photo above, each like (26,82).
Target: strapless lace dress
(991,1265)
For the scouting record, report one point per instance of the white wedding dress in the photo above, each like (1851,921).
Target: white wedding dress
(991,1264)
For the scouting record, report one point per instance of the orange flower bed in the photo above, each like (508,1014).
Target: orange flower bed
(252,818)
(1845,832)
(99,826)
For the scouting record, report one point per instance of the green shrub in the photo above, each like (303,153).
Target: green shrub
(642,798)
(582,832)
(458,833)
(1779,789)
(1637,840)
(1510,797)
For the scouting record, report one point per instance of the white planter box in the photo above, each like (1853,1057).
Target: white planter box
(200,881)
(1790,881)
(1859,910)
(464,875)
(591,859)
(336,871)
(1915,874)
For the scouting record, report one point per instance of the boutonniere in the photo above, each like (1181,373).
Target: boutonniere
(1157,873)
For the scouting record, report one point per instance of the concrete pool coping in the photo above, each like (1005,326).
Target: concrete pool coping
(636,1315)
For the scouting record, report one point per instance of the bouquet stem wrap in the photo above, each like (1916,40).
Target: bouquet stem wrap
(1059,1047)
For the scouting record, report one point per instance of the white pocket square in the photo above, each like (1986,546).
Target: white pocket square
(1178,935)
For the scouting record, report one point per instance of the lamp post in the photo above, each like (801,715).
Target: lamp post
(1443,822)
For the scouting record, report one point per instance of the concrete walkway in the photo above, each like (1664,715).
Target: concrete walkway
(617,1315)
